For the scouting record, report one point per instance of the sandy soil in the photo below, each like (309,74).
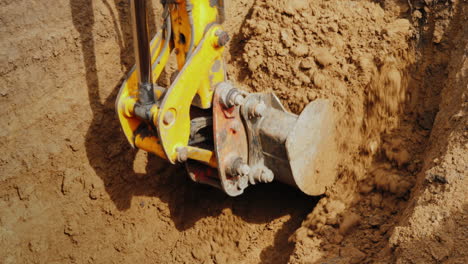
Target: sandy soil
(73,191)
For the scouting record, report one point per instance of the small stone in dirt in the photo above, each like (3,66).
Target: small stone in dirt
(436,177)
(333,27)
(296,82)
(306,64)
(417,14)
(69,181)
(260,28)
(300,50)
(286,39)
(311,95)
(438,35)
(94,194)
(201,252)
(37,245)
(303,78)
(334,207)
(323,57)
(120,246)
(254,63)
(71,228)
(280,51)
(319,80)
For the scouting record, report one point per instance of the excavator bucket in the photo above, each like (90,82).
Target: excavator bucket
(226,137)
(259,141)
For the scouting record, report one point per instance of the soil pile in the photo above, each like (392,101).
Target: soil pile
(362,57)
(304,50)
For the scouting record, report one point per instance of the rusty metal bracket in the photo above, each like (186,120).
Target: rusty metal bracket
(230,142)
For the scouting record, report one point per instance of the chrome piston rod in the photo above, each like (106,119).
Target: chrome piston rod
(141,45)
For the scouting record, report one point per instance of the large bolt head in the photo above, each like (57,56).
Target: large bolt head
(223,38)
(243,169)
(267,175)
(237,99)
(260,109)
(257,109)
(242,183)
(168,118)
(182,154)
(230,96)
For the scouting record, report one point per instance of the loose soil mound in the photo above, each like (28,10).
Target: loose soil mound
(363,57)
(359,60)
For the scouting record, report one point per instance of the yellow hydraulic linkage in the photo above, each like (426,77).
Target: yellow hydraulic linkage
(226,138)
(192,31)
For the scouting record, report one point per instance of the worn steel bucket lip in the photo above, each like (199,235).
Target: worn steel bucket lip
(311,148)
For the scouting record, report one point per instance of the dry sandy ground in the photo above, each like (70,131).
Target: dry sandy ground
(73,191)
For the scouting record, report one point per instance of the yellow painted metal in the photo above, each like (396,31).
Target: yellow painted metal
(158,67)
(203,155)
(150,144)
(202,72)
(203,15)
(154,113)
(129,91)
(198,76)
(128,122)
(181,31)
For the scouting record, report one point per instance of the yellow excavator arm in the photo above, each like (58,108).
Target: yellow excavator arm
(226,137)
